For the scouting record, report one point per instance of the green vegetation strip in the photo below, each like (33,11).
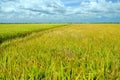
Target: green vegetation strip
(10,31)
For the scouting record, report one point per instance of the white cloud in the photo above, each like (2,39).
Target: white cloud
(57,10)
(96,9)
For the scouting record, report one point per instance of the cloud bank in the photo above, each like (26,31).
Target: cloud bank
(59,11)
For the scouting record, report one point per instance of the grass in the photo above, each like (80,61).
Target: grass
(10,31)
(74,52)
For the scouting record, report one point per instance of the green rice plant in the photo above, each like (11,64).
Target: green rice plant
(10,31)
(74,52)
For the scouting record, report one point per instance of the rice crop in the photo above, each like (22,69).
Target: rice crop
(72,52)
(10,31)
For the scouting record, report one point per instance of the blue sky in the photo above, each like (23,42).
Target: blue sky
(18,11)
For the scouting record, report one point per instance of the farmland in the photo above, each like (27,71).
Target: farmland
(16,30)
(66,52)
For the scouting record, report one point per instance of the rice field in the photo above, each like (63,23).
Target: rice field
(9,31)
(71,52)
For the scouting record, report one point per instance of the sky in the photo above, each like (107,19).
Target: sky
(50,11)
